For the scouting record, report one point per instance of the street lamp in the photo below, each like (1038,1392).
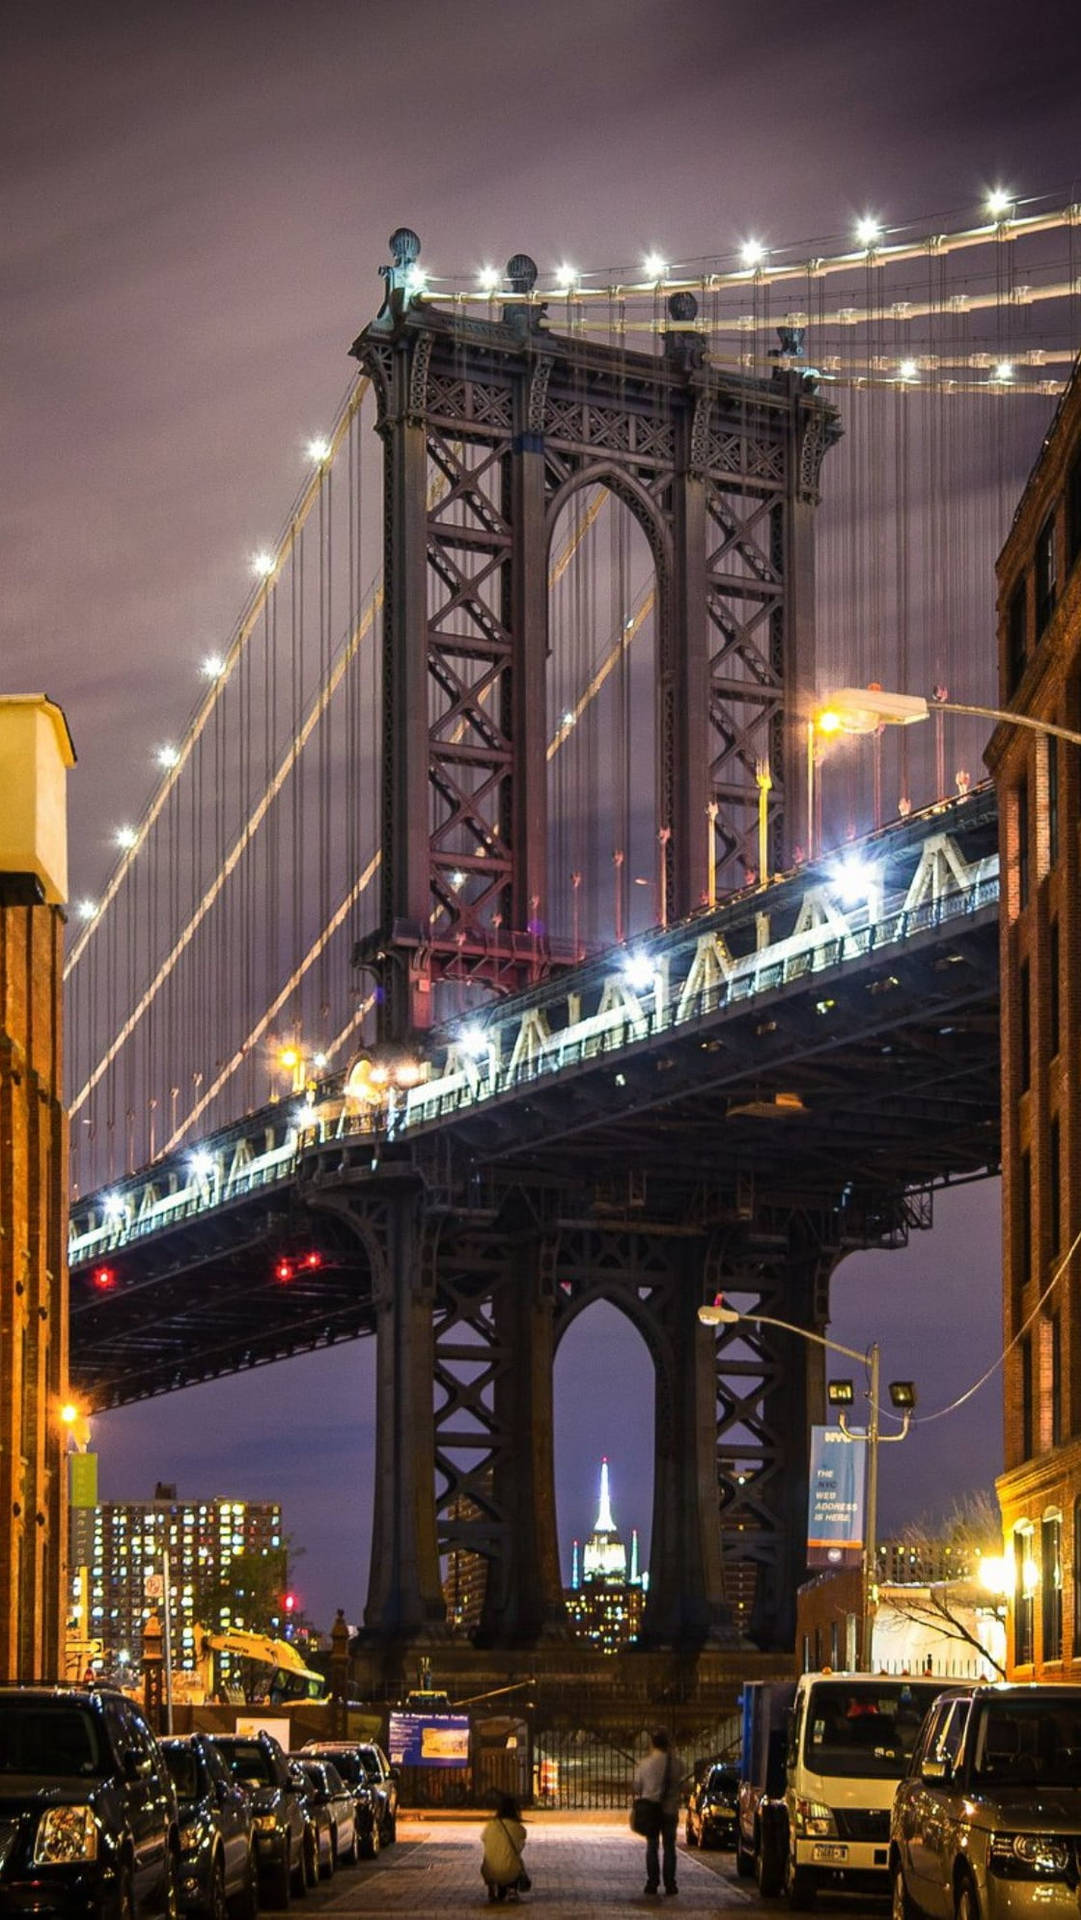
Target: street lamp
(841,1393)
(865,709)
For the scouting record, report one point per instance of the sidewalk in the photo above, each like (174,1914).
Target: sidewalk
(581,1866)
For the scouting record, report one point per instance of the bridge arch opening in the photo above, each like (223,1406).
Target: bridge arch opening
(601,1343)
(604,857)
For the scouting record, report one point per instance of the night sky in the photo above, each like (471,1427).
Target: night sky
(196,200)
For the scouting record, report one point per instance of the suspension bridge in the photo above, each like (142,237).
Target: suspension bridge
(478,955)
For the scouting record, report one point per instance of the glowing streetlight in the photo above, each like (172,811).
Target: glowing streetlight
(752,253)
(167,756)
(999,203)
(125,838)
(263,564)
(655,266)
(213,667)
(903,1396)
(319,450)
(488,279)
(865,709)
(868,231)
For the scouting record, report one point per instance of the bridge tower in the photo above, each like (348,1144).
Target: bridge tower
(489,427)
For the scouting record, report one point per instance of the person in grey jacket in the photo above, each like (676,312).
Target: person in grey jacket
(659,1777)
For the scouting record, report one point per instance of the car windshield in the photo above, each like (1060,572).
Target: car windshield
(370,1763)
(1028,1742)
(865,1728)
(183,1768)
(247,1760)
(722,1780)
(58,1742)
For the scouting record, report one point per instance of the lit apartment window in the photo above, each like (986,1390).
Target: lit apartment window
(1024,1605)
(1051,1586)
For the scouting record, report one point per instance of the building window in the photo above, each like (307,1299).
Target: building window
(1056,1379)
(1052,798)
(1046,582)
(1054,1185)
(1022,843)
(1023,1606)
(1051,1587)
(1053,986)
(1015,639)
(1024,1014)
(1073,512)
(1027,1448)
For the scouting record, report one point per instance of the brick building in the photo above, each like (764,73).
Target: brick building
(1039,785)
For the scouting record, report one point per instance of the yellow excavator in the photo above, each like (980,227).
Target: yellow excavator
(287,1678)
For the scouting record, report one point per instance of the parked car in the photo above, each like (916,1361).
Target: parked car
(218,1871)
(985,1824)
(712,1808)
(88,1815)
(336,1809)
(284,1844)
(365,1766)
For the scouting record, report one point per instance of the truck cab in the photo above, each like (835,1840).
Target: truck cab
(821,1817)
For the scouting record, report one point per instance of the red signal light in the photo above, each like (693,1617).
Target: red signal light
(103,1278)
(284,1270)
(289,1601)
(313,1259)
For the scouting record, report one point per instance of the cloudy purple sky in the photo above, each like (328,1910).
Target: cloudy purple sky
(195,202)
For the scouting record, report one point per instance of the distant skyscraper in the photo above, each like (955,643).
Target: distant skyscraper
(604,1601)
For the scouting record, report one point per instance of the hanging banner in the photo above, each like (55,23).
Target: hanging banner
(835,1499)
(83,1485)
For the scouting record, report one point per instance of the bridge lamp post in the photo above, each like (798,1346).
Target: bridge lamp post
(841,1394)
(865,709)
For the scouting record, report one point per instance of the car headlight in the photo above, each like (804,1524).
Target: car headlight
(66,1833)
(265,1822)
(813,1817)
(1022,1854)
(190,1836)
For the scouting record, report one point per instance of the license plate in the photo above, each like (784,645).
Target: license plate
(827,1854)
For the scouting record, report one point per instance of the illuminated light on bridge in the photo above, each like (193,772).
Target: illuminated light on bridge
(999,203)
(167,756)
(103,1278)
(86,909)
(213,666)
(318,449)
(752,253)
(126,837)
(868,231)
(1004,372)
(489,279)
(655,266)
(263,564)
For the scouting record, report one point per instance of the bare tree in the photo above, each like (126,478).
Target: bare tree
(969,1533)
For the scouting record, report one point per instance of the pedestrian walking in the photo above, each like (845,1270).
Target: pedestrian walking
(503,1839)
(656,1810)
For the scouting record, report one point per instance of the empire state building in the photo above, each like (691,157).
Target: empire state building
(605,1599)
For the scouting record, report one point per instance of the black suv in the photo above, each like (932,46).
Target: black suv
(88,1816)
(367,1770)
(284,1849)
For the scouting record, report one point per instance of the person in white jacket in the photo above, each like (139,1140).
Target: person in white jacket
(659,1778)
(503,1839)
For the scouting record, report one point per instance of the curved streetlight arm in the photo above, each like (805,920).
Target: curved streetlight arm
(881,1439)
(1010,719)
(714,1316)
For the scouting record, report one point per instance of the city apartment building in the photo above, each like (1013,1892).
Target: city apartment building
(1039,785)
(118,1548)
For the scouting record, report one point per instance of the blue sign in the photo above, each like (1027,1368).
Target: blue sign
(835,1499)
(429,1739)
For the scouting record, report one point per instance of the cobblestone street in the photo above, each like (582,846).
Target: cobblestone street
(580,1867)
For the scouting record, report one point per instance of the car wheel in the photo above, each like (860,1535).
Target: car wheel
(688,1834)
(279,1883)
(390,1830)
(217,1905)
(968,1906)
(312,1859)
(300,1870)
(800,1886)
(769,1857)
(170,1893)
(245,1901)
(327,1866)
(744,1859)
(902,1904)
(125,1893)
(352,1853)
(369,1846)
